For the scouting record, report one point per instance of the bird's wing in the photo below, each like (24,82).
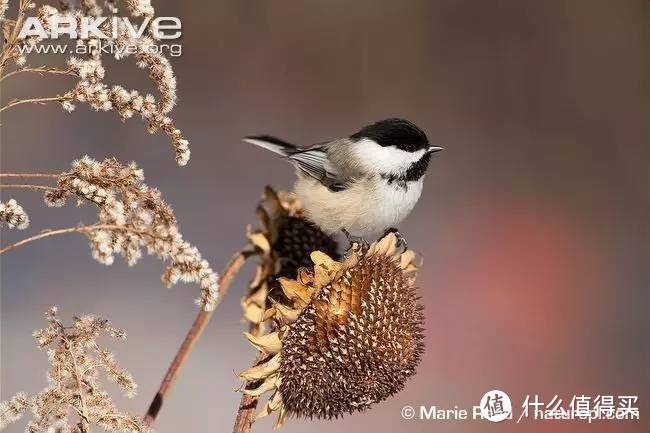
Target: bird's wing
(315,163)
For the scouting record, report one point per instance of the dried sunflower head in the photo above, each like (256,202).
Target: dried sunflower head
(286,241)
(348,335)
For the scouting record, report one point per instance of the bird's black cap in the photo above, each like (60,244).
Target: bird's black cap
(394,132)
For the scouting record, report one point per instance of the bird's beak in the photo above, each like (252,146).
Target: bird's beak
(432,149)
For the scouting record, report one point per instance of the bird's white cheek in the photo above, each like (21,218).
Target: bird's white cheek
(386,160)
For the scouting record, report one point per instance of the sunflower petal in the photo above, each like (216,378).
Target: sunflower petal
(262,370)
(269,343)
(268,384)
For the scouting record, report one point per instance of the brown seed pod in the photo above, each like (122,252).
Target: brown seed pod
(349,336)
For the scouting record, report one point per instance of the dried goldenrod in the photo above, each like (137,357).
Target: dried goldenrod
(74,399)
(132,218)
(91,87)
(346,333)
(13,215)
(4,5)
(13,409)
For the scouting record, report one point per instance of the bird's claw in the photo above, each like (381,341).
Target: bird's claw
(401,240)
(354,239)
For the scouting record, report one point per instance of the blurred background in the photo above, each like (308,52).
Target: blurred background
(533,223)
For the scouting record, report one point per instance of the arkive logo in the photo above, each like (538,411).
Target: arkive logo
(162,28)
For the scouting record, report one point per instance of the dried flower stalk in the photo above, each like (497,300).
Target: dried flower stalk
(74,399)
(91,87)
(248,403)
(131,217)
(193,335)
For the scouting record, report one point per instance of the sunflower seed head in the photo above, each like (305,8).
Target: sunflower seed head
(355,344)
(347,333)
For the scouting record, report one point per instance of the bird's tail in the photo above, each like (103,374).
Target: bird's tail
(273,144)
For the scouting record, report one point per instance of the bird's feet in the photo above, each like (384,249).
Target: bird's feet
(401,240)
(354,239)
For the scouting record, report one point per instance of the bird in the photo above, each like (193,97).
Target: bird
(363,185)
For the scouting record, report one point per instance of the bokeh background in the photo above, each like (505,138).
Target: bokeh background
(533,222)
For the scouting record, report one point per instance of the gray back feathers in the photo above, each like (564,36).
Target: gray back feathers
(324,162)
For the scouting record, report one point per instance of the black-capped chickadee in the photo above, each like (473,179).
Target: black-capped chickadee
(365,184)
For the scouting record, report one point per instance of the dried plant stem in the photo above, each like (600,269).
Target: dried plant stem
(40,70)
(77,229)
(10,43)
(84,425)
(245,414)
(15,102)
(197,328)
(28,186)
(51,176)
(248,403)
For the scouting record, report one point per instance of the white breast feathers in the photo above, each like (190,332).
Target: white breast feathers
(367,208)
